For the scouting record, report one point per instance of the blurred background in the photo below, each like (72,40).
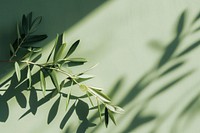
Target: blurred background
(147,53)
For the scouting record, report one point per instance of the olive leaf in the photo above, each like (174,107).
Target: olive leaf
(111,116)
(100,95)
(18,71)
(72,48)
(106,117)
(42,82)
(29,77)
(35,24)
(54,80)
(60,52)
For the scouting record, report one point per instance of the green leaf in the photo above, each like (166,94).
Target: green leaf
(29,77)
(42,82)
(35,24)
(62,84)
(111,117)
(72,48)
(78,60)
(18,32)
(68,99)
(34,38)
(29,20)
(12,49)
(18,72)
(100,95)
(59,53)
(99,109)
(115,109)
(24,24)
(88,95)
(84,77)
(58,44)
(53,48)
(96,88)
(106,117)
(54,80)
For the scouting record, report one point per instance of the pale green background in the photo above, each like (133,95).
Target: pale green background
(117,35)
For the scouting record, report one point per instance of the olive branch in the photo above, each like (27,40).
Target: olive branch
(22,53)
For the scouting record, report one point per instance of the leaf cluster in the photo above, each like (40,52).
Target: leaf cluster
(57,62)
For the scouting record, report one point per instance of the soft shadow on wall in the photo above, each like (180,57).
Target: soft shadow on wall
(58,16)
(171,61)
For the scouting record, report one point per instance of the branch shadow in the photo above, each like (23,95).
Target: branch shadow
(58,17)
(170,61)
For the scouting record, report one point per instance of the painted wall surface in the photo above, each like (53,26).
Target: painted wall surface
(127,38)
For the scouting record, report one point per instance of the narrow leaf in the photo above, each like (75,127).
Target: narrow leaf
(59,53)
(72,48)
(29,77)
(18,32)
(106,117)
(78,60)
(100,95)
(99,109)
(68,96)
(18,72)
(96,88)
(115,109)
(53,48)
(58,44)
(85,76)
(24,24)
(42,82)
(90,99)
(12,49)
(35,24)
(68,99)
(54,80)
(34,38)
(29,20)
(111,117)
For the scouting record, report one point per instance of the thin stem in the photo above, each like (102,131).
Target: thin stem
(7,61)
(15,52)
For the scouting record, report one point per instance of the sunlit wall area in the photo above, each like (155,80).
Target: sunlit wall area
(147,55)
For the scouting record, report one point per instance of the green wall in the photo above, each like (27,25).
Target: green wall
(127,38)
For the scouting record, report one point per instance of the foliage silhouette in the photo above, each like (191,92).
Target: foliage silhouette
(24,57)
(171,61)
